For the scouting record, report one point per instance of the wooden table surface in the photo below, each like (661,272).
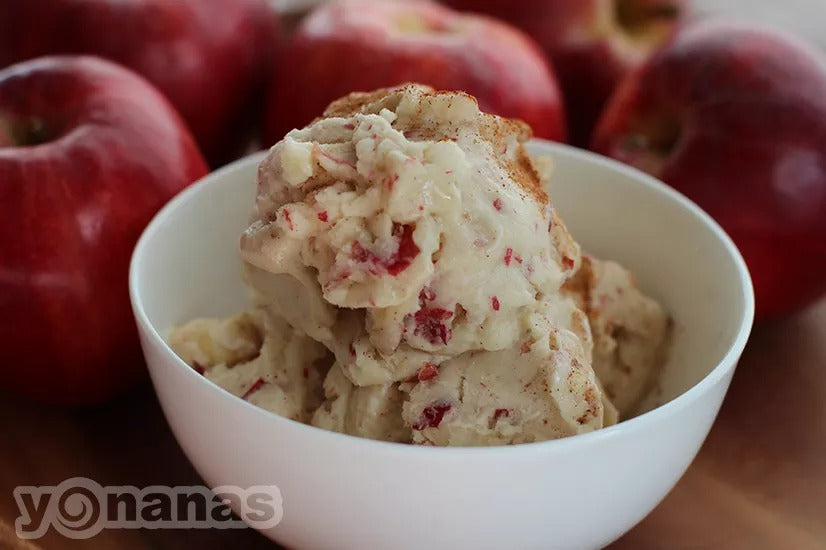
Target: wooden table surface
(759,481)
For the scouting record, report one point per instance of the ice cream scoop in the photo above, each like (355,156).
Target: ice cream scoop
(630,330)
(258,357)
(406,235)
(420,215)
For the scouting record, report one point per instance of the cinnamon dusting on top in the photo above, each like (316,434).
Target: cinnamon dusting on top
(502,133)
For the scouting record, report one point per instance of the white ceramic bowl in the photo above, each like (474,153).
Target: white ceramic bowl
(342,492)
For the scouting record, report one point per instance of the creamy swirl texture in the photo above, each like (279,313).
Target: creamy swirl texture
(408,233)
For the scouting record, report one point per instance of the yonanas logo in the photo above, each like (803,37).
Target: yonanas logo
(80,508)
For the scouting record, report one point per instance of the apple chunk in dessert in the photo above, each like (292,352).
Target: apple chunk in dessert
(406,235)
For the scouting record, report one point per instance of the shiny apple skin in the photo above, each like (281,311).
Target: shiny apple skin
(589,46)
(72,209)
(211,58)
(358,45)
(735,117)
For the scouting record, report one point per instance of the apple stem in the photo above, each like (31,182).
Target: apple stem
(36,133)
(29,133)
(6,136)
(634,17)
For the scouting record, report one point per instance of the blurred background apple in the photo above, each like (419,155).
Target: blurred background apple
(592,43)
(210,58)
(361,45)
(735,117)
(89,151)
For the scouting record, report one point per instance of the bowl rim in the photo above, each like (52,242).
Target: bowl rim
(637,423)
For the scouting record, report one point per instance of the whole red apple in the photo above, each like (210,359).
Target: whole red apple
(360,45)
(735,118)
(210,58)
(593,43)
(89,151)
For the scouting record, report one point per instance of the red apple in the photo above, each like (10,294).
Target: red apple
(361,45)
(209,57)
(593,43)
(89,151)
(735,118)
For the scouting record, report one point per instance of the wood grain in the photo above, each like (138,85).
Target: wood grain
(759,481)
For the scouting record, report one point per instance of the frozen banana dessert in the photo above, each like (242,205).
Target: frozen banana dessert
(260,358)
(410,281)
(630,331)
